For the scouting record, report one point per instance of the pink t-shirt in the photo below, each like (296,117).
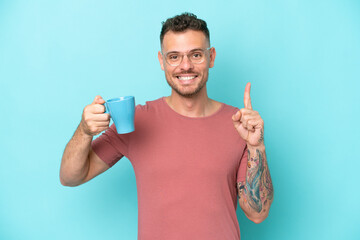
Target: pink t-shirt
(186,171)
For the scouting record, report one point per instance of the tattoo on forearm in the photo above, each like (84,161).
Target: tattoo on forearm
(261,139)
(241,186)
(258,188)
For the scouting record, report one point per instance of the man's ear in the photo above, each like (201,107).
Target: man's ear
(161,60)
(212,57)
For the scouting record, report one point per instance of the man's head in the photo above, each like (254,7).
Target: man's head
(185,54)
(183,22)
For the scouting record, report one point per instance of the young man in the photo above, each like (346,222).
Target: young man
(190,162)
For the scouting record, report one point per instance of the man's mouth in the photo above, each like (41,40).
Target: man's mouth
(186,79)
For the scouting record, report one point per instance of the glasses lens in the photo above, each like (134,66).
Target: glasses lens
(197,56)
(174,59)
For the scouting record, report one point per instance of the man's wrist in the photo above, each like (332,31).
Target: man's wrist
(83,134)
(260,147)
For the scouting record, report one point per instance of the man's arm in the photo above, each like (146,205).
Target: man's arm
(79,163)
(256,193)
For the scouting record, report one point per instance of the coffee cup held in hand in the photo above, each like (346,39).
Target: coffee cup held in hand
(122,112)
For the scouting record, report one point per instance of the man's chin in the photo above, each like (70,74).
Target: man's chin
(188,93)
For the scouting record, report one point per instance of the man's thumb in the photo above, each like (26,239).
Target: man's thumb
(98,100)
(236,116)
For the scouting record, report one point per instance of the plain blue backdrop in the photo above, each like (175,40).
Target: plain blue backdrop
(302,58)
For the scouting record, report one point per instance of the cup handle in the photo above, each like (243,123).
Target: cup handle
(106,108)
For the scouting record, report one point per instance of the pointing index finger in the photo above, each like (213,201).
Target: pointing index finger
(247,99)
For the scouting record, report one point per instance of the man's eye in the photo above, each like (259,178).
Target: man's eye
(173,57)
(196,55)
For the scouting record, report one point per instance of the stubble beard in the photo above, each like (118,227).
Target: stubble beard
(184,93)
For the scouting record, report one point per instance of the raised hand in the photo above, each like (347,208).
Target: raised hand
(248,122)
(94,120)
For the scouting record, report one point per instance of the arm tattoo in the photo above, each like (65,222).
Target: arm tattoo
(241,186)
(261,139)
(257,189)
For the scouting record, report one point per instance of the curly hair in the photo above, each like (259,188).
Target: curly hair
(183,22)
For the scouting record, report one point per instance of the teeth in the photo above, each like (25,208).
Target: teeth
(186,78)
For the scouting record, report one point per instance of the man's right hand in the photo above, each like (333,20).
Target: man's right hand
(94,120)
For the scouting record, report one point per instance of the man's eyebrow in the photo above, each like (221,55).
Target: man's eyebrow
(172,52)
(196,49)
(192,50)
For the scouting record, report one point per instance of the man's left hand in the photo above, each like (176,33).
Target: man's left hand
(248,122)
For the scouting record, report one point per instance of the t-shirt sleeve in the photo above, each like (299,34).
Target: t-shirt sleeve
(241,174)
(111,146)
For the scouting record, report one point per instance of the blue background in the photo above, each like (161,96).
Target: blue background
(302,58)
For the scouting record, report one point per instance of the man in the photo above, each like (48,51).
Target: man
(189,161)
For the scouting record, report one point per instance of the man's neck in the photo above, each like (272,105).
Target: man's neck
(199,105)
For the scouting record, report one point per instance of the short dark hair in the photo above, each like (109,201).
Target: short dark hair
(183,22)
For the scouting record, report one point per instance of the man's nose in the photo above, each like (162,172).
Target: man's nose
(186,64)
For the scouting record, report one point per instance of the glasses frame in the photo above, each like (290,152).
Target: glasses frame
(182,56)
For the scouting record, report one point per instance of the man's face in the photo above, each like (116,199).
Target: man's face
(186,79)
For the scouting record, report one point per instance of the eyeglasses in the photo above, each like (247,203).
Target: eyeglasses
(196,56)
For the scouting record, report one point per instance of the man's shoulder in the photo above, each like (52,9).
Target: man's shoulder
(226,108)
(150,105)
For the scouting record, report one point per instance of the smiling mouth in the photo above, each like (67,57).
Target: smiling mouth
(186,78)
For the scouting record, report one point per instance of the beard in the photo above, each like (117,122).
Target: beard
(187,93)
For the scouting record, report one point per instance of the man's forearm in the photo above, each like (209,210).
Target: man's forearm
(256,194)
(74,163)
